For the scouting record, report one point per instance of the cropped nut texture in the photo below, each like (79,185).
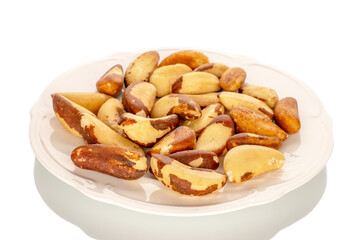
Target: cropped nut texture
(231,100)
(250,121)
(142,67)
(110,112)
(164,77)
(287,115)
(112,81)
(147,131)
(114,161)
(68,113)
(191,58)
(180,139)
(214,137)
(197,158)
(196,83)
(265,94)
(253,139)
(185,179)
(95,131)
(232,79)
(207,115)
(139,97)
(214,68)
(205,99)
(179,104)
(247,161)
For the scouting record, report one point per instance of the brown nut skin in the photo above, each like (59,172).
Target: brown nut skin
(253,139)
(147,131)
(196,83)
(68,113)
(114,161)
(185,179)
(214,68)
(141,68)
(250,121)
(110,112)
(207,115)
(232,79)
(179,104)
(197,158)
(139,97)
(265,94)
(205,99)
(180,139)
(215,135)
(112,81)
(287,115)
(191,58)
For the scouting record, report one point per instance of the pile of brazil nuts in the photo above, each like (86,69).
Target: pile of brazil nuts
(186,113)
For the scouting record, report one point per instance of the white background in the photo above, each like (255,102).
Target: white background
(316,41)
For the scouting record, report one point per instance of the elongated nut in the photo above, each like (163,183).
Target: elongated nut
(147,131)
(142,67)
(114,161)
(68,113)
(205,99)
(197,158)
(196,83)
(265,94)
(191,58)
(287,115)
(250,121)
(214,137)
(95,131)
(232,79)
(164,77)
(247,161)
(185,179)
(207,115)
(214,68)
(180,139)
(110,112)
(90,101)
(253,139)
(139,98)
(231,100)
(184,106)
(112,81)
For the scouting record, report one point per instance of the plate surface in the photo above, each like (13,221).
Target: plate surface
(306,152)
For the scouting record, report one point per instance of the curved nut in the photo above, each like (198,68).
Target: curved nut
(253,139)
(206,99)
(95,131)
(247,161)
(163,77)
(231,100)
(147,131)
(265,94)
(184,179)
(90,101)
(214,68)
(214,137)
(114,161)
(141,67)
(250,121)
(232,79)
(139,97)
(207,115)
(110,113)
(191,58)
(196,83)
(68,113)
(287,115)
(112,81)
(197,158)
(180,139)
(184,106)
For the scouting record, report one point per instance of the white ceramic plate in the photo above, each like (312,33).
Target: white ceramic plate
(306,152)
